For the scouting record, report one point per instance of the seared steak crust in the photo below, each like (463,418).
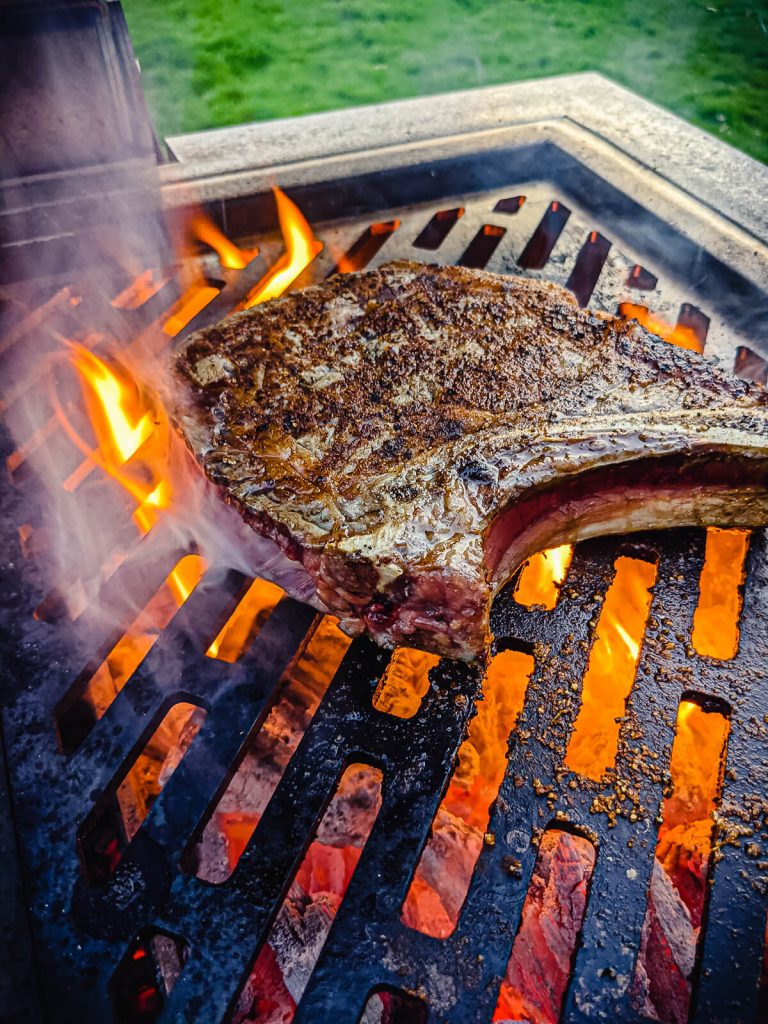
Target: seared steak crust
(411,434)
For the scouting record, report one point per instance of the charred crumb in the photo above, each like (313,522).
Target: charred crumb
(475,472)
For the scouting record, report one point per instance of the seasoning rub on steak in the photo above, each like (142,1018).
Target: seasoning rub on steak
(411,434)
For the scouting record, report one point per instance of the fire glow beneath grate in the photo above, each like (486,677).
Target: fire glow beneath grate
(104,838)
(276,983)
(611,669)
(445,869)
(539,969)
(239,810)
(81,709)
(405,682)
(716,620)
(240,629)
(412,691)
(542,576)
(679,884)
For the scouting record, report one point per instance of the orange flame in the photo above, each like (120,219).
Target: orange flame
(301,247)
(242,625)
(611,668)
(230,256)
(121,420)
(675,334)
(542,576)
(125,420)
(140,290)
(189,305)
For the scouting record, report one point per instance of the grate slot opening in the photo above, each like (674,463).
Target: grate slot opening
(144,287)
(444,872)
(438,228)
(588,267)
(537,977)
(721,594)
(482,247)
(146,976)
(691,318)
(106,833)
(511,205)
(543,240)
(228,826)
(386,1005)
(750,366)
(92,694)
(542,577)
(284,964)
(360,254)
(404,683)
(611,669)
(677,899)
(241,628)
(641,279)
(193,301)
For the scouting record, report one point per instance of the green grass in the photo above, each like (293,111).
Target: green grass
(209,63)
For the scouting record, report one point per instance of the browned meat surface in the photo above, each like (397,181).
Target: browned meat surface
(411,434)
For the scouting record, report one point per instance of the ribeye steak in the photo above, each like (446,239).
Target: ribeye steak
(411,434)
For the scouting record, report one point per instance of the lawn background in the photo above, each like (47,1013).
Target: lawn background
(206,64)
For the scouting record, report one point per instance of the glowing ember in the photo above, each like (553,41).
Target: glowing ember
(442,878)
(611,669)
(230,256)
(676,334)
(662,986)
(542,576)
(102,841)
(696,768)
(301,247)
(716,620)
(268,752)
(538,970)
(278,979)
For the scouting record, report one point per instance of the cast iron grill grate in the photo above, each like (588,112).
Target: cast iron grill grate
(83,931)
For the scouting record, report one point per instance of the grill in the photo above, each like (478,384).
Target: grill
(575,181)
